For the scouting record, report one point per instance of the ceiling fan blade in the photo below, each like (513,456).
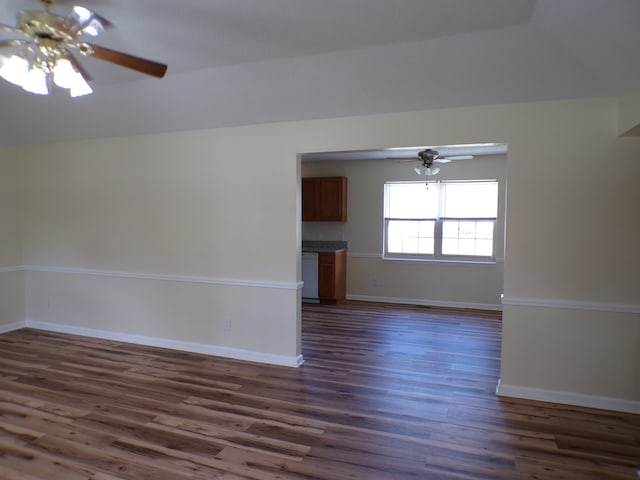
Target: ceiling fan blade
(83,12)
(78,66)
(11,43)
(142,65)
(438,159)
(83,20)
(9,28)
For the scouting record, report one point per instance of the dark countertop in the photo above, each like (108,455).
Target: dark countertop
(322,246)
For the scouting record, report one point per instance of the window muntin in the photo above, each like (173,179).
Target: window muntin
(470,238)
(441,220)
(411,237)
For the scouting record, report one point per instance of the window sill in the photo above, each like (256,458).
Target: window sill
(390,259)
(442,261)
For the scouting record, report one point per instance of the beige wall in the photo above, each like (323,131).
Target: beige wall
(11,277)
(570,353)
(629,116)
(572,271)
(10,251)
(168,236)
(197,203)
(371,278)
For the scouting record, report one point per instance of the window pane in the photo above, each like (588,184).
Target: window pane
(449,229)
(468,238)
(410,236)
(425,228)
(466,247)
(465,213)
(484,248)
(449,246)
(397,231)
(410,245)
(425,247)
(470,200)
(426,242)
(467,229)
(484,230)
(411,200)
(394,238)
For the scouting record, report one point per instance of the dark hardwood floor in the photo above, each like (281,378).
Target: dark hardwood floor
(386,392)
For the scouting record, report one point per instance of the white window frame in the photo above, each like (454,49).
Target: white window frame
(439,220)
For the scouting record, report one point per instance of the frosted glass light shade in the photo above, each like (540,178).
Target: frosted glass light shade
(36,82)
(66,76)
(80,87)
(427,171)
(64,73)
(14,69)
(35,78)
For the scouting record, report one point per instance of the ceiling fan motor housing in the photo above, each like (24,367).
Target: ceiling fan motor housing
(43,26)
(428,156)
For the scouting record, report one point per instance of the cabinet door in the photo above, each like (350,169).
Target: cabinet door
(333,195)
(310,199)
(326,276)
(332,277)
(326,281)
(324,199)
(340,276)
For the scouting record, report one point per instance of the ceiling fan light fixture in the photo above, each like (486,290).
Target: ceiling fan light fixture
(14,69)
(17,70)
(36,81)
(80,87)
(426,171)
(64,73)
(47,58)
(66,76)
(37,77)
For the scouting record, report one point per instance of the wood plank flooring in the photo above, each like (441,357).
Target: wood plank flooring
(386,392)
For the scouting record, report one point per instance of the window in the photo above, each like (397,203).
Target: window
(440,220)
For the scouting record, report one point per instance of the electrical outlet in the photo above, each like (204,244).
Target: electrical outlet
(375,282)
(227,324)
(45,304)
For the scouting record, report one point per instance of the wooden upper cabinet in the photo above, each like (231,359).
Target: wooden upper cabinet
(324,199)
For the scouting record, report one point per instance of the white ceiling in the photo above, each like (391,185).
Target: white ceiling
(238,62)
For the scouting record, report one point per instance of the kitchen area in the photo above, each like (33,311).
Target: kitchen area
(370,277)
(324,262)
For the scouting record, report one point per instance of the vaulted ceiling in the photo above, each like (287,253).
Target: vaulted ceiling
(239,62)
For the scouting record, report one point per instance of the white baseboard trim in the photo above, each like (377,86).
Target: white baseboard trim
(426,302)
(171,278)
(215,350)
(568,398)
(10,327)
(571,305)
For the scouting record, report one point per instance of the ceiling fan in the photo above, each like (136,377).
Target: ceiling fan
(429,156)
(48,46)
